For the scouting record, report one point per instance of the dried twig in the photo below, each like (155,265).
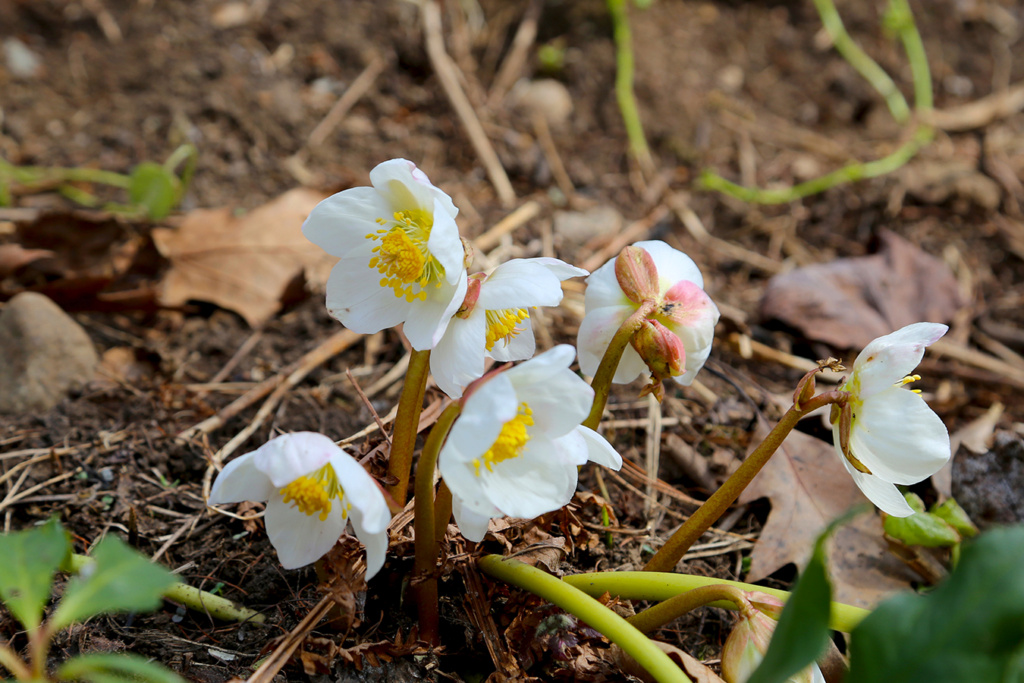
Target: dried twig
(518,53)
(635,231)
(364,81)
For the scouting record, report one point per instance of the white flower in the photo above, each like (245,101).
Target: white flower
(516,445)
(893,436)
(682,306)
(494,319)
(402,259)
(313,489)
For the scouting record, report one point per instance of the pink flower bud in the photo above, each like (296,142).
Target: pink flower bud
(660,349)
(636,274)
(472,294)
(748,642)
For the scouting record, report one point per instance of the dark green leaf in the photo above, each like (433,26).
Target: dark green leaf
(957,518)
(112,668)
(970,628)
(154,188)
(30,559)
(121,580)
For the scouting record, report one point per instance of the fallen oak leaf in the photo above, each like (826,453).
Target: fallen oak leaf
(14,256)
(246,263)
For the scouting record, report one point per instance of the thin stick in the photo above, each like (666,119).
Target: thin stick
(364,81)
(520,216)
(512,67)
(550,150)
(635,231)
(284,651)
(446,73)
(359,390)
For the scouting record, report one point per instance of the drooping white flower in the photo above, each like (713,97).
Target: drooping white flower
(516,445)
(683,308)
(313,489)
(891,436)
(402,259)
(494,319)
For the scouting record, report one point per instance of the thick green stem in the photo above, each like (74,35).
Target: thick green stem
(426,541)
(656,616)
(442,511)
(859,60)
(664,586)
(588,610)
(407,421)
(610,362)
(714,507)
(619,12)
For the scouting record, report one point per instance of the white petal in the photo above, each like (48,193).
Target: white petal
(376,542)
(889,359)
(521,283)
(596,332)
(341,222)
(538,369)
(427,320)
(301,539)
(361,491)
(355,297)
(883,494)
(673,265)
(458,358)
(694,362)
(472,524)
(445,244)
(402,186)
(898,437)
(603,289)
(531,484)
(290,456)
(520,347)
(241,480)
(572,448)
(560,400)
(599,451)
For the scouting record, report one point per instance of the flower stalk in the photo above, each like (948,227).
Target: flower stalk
(664,612)
(610,361)
(426,543)
(588,610)
(407,422)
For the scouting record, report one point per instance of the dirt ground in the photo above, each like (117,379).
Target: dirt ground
(750,89)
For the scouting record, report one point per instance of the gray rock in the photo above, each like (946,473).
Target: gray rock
(574,228)
(43,354)
(546,97)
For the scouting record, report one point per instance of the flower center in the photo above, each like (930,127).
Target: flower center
(501,324)
(312,493)
(510,441)
(402,256)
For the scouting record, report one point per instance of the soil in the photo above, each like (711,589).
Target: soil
(750,89)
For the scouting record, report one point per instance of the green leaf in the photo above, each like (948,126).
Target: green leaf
(121,580)
(921,528)
(802,634)
(957,518)
(30,559)
(154,188)
(114,668)
(970,628)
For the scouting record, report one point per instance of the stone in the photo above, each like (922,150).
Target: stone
(574,228)
(546,97)
(43,354)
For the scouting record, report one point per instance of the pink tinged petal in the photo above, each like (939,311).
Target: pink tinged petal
(603,289)
(883,494)
(301,539)
(898,437)
(532,484)
(888,359)
(458,358)
(687,305)
(376,542)
(355,297)
(361,491)
(520,347)
(520,283)
(241,480)
(342,221)
(291,456)
(445,244)
(673,265)
(472,524)
(427,320)
(694,362)
(599,451)
(596,332)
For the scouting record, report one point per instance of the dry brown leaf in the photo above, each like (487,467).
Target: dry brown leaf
(848,302)
(808,488)
(242,263)
(692,666)
(976,437)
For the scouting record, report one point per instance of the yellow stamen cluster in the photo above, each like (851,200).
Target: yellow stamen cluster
(402,256)
(312,493)
(502,325)
(907,380)
(510,441)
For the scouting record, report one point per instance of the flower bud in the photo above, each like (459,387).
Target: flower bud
(637,275)
(748,642)
(472,294)
(660,349)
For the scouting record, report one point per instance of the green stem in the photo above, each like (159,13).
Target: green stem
(656,616)
(425,539)
(191,597)
(664,586)
(610,362)
(407,422)
(714,507)
(14,664)
(914,47)
(588,610)
(39,640)
(859,60)
(442,511)
(618,10)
